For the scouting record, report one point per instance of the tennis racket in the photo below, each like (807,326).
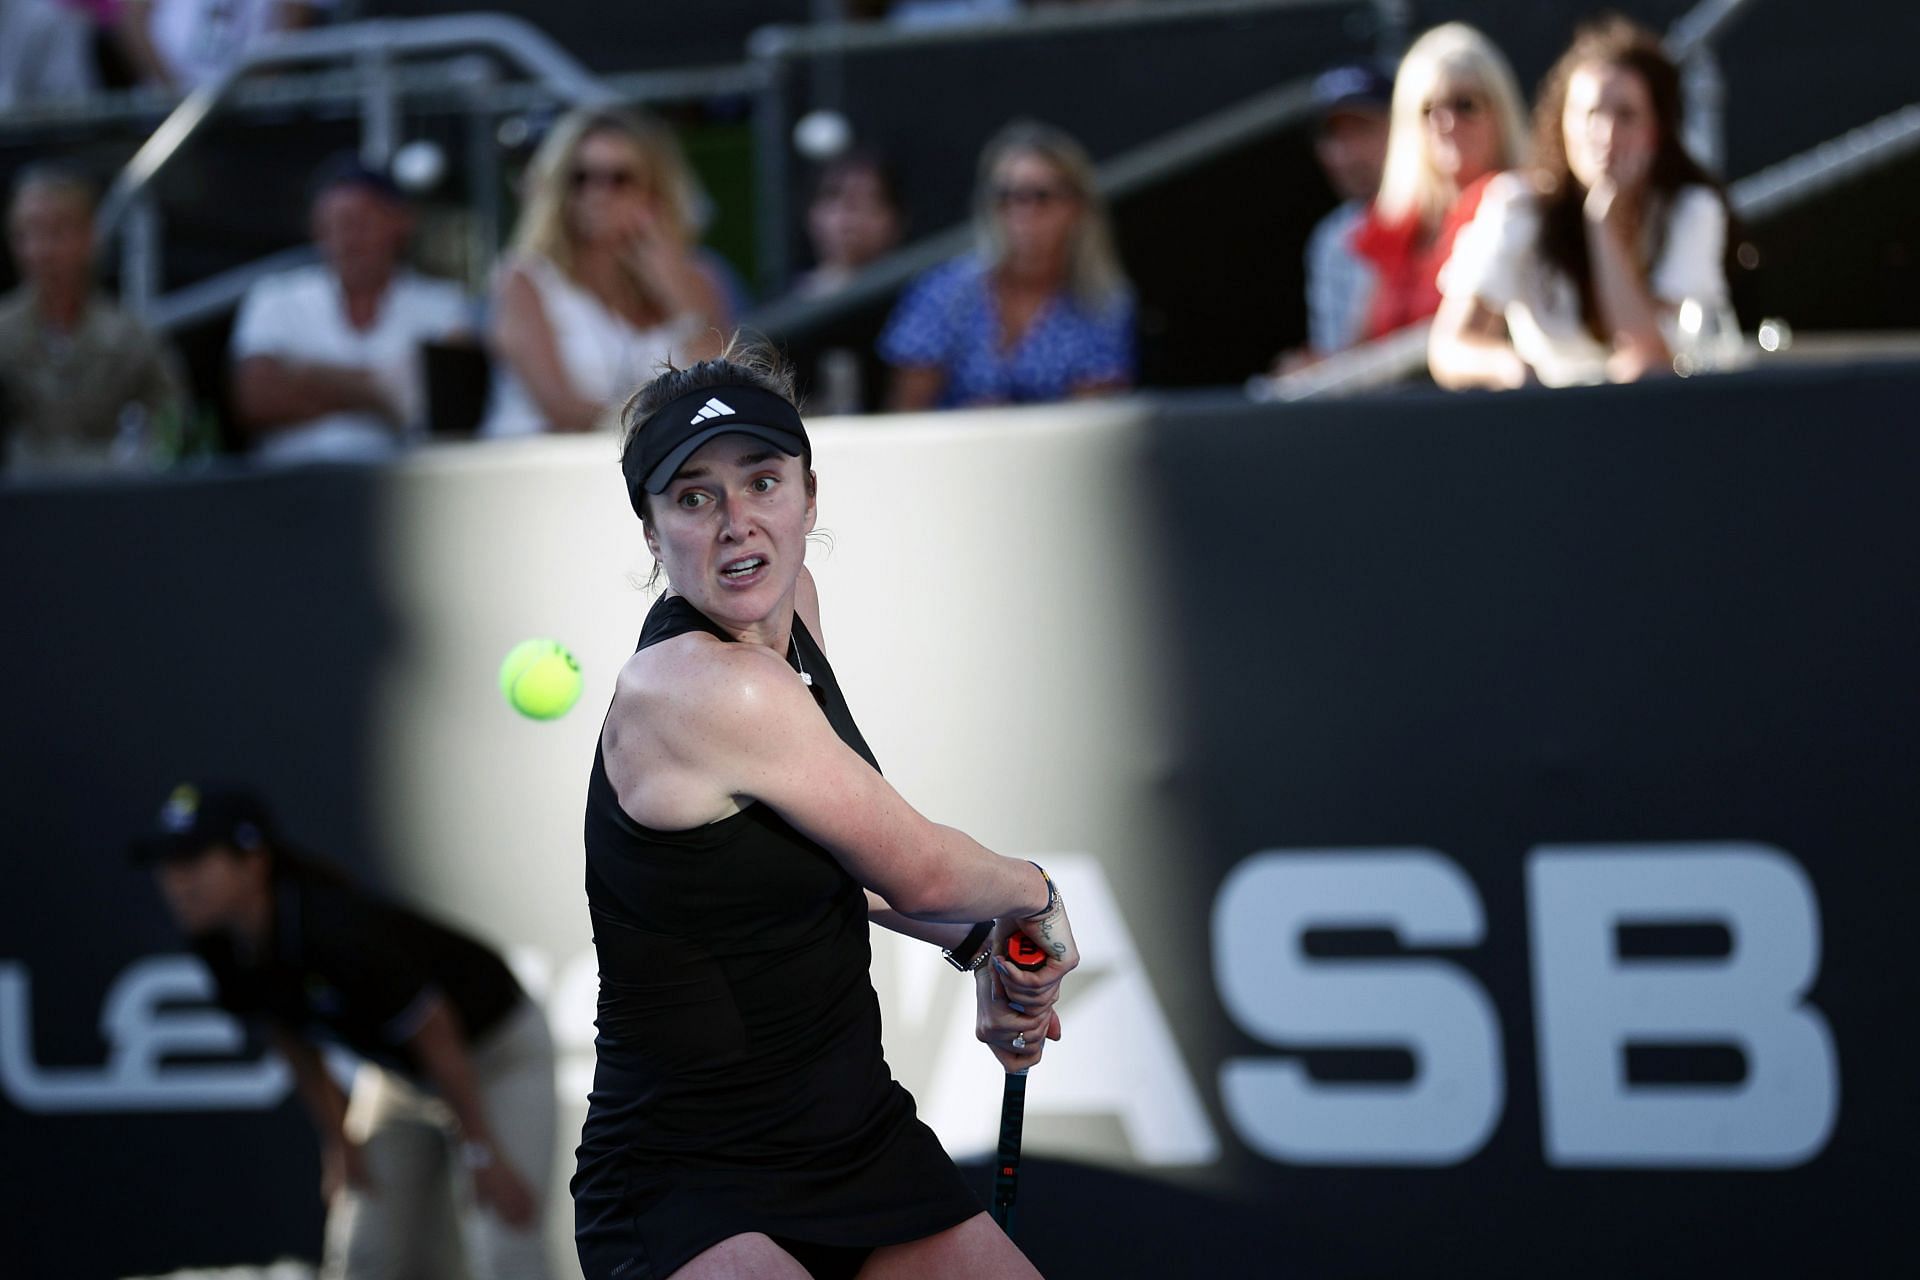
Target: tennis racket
(1022,953)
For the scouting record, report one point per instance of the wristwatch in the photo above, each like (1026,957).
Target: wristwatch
(972,951)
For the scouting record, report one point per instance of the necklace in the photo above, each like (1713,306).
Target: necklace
(793,654)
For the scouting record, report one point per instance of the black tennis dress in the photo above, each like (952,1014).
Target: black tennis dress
(739,1084)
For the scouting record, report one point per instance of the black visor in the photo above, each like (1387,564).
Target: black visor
(672,433)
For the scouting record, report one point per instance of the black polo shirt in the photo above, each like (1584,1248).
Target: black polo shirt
(344,966)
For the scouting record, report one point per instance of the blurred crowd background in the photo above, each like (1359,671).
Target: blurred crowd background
(369,224)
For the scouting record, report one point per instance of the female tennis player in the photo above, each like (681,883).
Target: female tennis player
(739,838)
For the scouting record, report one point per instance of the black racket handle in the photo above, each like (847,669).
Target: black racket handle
(1006,1173)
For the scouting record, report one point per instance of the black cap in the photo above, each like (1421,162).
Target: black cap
(349,170)
(196,818)
(671,434)
(1358,86)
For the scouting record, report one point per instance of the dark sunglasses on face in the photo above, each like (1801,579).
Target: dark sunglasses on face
(612,179)
(1036,196)
(1462,106)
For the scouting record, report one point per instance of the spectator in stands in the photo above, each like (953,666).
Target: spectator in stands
(1587,273)
(46,52)
(327,358)
(853,219)
(605,282)
(1041,312)
(1457,121)
(182,44)
(80,380)
(1351,146)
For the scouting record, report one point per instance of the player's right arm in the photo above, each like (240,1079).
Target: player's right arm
(340,1161)
(700,728)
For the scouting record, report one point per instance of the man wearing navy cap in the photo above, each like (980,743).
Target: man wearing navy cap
(327,360)
(1351,145)
(456,1091)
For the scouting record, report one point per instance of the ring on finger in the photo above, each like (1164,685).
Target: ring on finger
(1020,1040)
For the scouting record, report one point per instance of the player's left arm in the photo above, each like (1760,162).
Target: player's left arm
(806,602)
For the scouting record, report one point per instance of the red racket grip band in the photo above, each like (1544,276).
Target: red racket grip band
(1024,953)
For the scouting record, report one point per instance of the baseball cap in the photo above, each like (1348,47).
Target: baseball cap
(196,818)
(349,170)
(1357,85)
(678,428)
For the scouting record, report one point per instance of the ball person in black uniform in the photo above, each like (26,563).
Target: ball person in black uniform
(458,1062)
(739,838)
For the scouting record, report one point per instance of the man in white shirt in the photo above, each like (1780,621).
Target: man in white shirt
(327,358)
(182,44)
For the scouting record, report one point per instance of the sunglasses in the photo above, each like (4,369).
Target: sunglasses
(1463,106)
(1036,196)
(612,179)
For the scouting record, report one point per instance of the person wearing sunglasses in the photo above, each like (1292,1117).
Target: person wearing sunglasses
(1457,120)
(1040,312)
(604,282)
(1608,264)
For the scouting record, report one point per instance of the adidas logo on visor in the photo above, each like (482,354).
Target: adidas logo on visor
(712,409)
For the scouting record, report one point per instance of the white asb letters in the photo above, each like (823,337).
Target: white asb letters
(1278,995)
(1590,1005)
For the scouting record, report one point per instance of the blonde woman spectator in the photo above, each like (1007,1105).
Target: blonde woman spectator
(1457,121)
(603,284)
(1591,265)
(1042,311)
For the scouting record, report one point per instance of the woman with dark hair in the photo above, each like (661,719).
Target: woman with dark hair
(1602,267)
(853,219)
(739,839)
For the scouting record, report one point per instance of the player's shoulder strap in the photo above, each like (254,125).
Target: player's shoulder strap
(672,616)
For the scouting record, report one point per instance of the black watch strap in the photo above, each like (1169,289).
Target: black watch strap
(972,951)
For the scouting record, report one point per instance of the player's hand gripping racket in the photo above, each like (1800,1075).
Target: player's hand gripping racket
(1022,953)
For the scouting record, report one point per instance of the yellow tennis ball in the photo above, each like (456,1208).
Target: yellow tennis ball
(540,679)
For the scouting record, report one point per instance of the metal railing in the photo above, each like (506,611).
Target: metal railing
(375,82)
(373,48)
(1123,175)
(1690,43)
(778,50)
(1820,169)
